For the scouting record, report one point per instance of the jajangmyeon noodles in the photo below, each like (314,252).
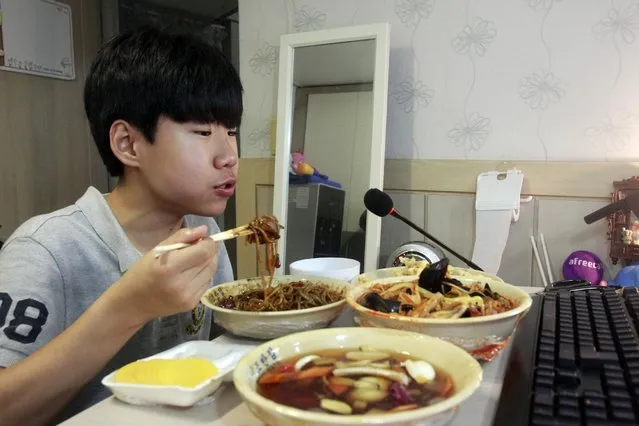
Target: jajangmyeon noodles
(282,297)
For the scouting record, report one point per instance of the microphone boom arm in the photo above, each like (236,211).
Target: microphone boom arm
(427,235)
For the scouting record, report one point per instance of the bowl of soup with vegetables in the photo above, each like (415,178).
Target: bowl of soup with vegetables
(351,376)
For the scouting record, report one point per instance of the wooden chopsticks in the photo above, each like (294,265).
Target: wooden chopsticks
(241,231)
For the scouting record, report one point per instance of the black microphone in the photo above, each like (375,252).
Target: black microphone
(631,202)
(381,204)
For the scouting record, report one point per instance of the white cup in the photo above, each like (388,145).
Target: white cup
(340,268)
(331,267)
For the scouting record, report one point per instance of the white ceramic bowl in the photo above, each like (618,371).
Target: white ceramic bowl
(269,325)
(340,268)
(472,334)
(465,372)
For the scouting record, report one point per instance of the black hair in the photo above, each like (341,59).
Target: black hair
(141,75)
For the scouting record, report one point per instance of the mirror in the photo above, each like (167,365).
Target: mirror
(330,142)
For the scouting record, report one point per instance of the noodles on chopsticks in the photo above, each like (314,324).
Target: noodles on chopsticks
(266,231)
(285,296)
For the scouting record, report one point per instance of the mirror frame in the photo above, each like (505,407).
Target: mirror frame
(285,98)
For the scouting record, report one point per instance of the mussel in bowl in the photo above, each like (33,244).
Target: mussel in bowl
(377,303)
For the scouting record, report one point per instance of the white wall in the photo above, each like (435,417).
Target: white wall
(338,144)
(477,79)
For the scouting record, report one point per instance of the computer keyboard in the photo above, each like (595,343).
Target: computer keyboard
(574,361)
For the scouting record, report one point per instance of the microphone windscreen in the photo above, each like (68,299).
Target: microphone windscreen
(378,202)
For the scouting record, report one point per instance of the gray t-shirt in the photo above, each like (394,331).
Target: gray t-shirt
(56,265)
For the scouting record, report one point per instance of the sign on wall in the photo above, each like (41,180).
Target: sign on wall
(36,37)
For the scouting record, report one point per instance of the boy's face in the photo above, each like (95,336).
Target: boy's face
(190,167)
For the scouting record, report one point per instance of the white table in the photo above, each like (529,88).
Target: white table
(228,409)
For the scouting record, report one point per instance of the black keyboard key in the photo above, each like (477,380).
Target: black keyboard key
(568,402)
(585,333)
(595,413)
(631,356)
(615,383)
(548,335)
(548,321)
(618,394)
(542,398)
(625,333)
(625,404)
(567,377)
(591,358)
(545,370)
(566,355)
(595,403)
(544,382)
(545,347)
(545,421)
(569,413)
(613,375)
(543,411)
(572,393)
(596,422)
(547,358)
(591,385)
(609,368)
(622,414)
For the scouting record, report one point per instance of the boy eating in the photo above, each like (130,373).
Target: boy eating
(81,291)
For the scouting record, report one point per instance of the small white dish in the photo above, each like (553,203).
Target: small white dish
(224,352)
(340,268)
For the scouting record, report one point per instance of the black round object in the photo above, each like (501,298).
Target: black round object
(378,202)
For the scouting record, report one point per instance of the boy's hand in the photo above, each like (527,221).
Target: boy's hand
(172,283)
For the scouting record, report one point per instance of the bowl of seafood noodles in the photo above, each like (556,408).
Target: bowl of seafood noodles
(476,312)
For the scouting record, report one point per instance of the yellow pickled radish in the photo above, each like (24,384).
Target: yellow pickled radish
(187,372)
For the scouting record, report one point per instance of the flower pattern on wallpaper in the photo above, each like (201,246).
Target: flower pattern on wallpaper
(619,25)
(540,89)
(411,95)
(412,12)
(475,38)
(473,130)
(410,92)
(308,19)
(264,60)
(471,133)
(614,133)
(542,4)
(622,24)
(261,136)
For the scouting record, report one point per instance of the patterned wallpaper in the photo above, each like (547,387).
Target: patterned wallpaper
(476,79)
